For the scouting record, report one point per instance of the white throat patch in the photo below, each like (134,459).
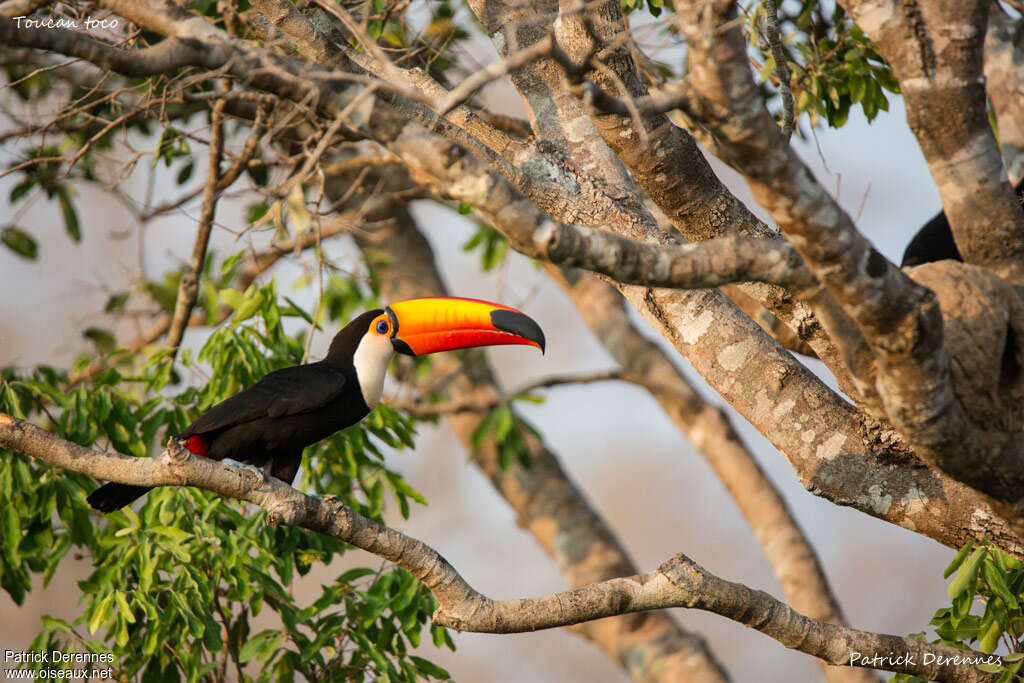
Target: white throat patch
(371,364)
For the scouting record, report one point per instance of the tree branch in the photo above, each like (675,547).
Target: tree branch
(1004,83)
(896,350)
(479,405)
(188,288)
(781,68)
(936,52)
(167,56)
(709,429)
(711,263)
(671,170)
(677,583)
(841,461)
(651,647)
(668,311)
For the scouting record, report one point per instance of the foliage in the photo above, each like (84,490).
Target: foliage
(833,64)
(508,433)
(987,577)
(176,587)
(492,245)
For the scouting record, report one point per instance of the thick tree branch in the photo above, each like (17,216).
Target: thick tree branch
(904,360)
(669,167)
(709,429)
(677,583)
(722,96)
(711,263)
(959,514)
(936,51)
(166,56)
(824,439)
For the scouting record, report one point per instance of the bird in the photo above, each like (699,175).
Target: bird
(271,422)
(934,241)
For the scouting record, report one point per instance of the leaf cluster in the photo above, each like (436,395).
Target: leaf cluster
(834,66)
(993,580)
(176,587)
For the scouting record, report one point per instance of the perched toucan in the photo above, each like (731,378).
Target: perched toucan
(934,241)
(271,422)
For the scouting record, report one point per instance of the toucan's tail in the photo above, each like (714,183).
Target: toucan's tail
(110,497)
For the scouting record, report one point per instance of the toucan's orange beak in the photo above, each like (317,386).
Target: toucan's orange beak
(421,326)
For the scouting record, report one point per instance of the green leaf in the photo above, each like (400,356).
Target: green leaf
(259,645)
(101,613)
(185,173)
(12,534)
(21,189)
(966,575)
(297,310)
(166,146)
(176,535)
(67,209)
(123,608)
(54,624)
(990,638)
(20,242)
(429,668)
(254,212)
(232,297)
(994,578)
(116,302)
(246,304)
(958,559)
(105,342)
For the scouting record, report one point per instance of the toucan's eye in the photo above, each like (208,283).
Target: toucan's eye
(382,327)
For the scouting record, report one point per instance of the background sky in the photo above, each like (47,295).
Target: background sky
(654,489)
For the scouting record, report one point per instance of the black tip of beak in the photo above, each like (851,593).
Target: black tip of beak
(401,347)
(518,324)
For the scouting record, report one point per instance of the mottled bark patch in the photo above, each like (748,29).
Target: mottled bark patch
(983,323)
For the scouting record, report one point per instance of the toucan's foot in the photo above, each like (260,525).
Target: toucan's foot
(245,466)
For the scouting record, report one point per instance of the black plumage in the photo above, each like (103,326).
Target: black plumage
(274,420)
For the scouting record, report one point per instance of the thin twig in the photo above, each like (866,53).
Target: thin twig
(781,68)
(473,405)
(188,290)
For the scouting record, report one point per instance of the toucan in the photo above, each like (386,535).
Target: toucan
(934,241)
(270,423)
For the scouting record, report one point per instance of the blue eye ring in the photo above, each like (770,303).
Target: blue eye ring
(382,327)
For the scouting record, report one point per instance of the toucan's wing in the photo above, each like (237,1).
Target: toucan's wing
(290,391)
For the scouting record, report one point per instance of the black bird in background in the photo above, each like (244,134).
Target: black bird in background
(934,241)
(271,422)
